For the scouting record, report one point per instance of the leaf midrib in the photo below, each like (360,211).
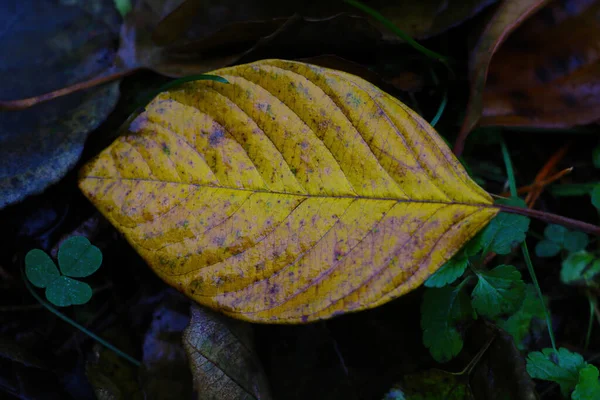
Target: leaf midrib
(305,195)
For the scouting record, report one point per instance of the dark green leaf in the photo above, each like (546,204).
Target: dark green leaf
(51,45)
(562,368)
(579,267)
(504,232)
(588,386)
(547,248)
(78,258)
(519,323)
(596,156)
(556,233)
(595,194)
(498,291)
(64,292)
(576,241)
(441,310)
(448,273)
(40,268)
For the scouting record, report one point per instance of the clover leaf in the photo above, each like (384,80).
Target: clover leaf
(77,258)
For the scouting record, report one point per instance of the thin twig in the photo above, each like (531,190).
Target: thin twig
(22,104)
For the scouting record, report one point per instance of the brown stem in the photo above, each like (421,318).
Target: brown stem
(22,104)
(552,218)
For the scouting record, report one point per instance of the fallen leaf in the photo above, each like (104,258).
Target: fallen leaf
(292,194)
(500,373)
(547,73)
(507,17)
(426,18)
(223,364)
(51,45)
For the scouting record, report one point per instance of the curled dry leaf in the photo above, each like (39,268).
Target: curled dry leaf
(547,74)
(505,19)
(223,364)
(292,194)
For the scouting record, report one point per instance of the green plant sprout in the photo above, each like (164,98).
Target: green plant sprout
(77,258)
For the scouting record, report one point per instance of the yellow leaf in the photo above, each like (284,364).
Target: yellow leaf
(291,194)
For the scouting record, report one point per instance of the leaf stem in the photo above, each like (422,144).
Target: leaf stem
(399,32)
(513,190)
(588,335)
(551,218)
(76,325)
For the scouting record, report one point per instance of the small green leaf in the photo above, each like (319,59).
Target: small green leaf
(596,156)
(519,324)
(78,258)
(556,233)
(562,367)
(596,196)
(65,291)
(498,291)
(579,267)
(547,248)
(576,241)
(40,268)
(449,272)
(588,386)
(442,308)
(506,231)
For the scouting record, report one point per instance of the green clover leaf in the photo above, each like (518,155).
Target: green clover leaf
(76,258)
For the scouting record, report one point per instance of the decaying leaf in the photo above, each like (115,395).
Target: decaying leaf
(291,194)
(222,361)
(422,19)
(547,73)
(506,18)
